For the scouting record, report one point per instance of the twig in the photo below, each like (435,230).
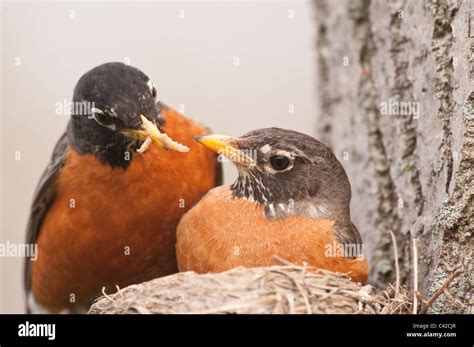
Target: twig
(441,289)
(291,303)
(282,261)
(452,298)
(303,271)
(119,291)
(300,289)
(397,266)
(106,295)
(415,275)
(421,298)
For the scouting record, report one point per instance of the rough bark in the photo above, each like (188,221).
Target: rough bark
(410,174)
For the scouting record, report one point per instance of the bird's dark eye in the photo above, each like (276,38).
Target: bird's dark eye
(103,118)
(153,91)
(279,162)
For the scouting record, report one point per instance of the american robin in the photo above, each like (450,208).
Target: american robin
(104,215)
(291,199)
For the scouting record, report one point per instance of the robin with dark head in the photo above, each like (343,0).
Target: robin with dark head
(291,199)
(106,209)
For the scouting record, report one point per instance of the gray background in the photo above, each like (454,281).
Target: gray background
(190,59)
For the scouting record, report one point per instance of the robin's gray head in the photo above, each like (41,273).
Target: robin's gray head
(111,103)
(290,173)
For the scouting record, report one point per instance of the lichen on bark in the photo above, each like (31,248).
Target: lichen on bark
(412,174)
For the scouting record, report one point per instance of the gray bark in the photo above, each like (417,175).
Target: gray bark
(411,173)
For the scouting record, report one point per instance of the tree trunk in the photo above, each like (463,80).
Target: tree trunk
(396,104)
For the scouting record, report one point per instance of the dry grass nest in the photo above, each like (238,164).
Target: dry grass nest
(274,289)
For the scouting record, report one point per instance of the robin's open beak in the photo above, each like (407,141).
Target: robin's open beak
(151,134)
(226,146)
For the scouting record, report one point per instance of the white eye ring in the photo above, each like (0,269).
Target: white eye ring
(96,113)
(280,153)
(153,91)
(95,110)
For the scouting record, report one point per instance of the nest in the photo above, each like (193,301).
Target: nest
(273,289)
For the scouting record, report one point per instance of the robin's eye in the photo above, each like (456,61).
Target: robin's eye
(279,162)
(153,91)
(102,118)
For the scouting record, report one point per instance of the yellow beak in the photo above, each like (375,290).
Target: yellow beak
(226,146)
(151,134)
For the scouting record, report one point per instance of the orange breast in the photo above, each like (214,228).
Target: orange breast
(220,233)
(109,227)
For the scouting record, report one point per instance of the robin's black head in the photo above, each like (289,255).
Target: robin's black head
(108,104)
(288,172)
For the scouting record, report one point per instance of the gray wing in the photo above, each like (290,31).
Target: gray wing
(349,236)
(42,199)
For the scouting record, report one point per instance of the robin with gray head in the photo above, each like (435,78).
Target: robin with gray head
(291,199)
